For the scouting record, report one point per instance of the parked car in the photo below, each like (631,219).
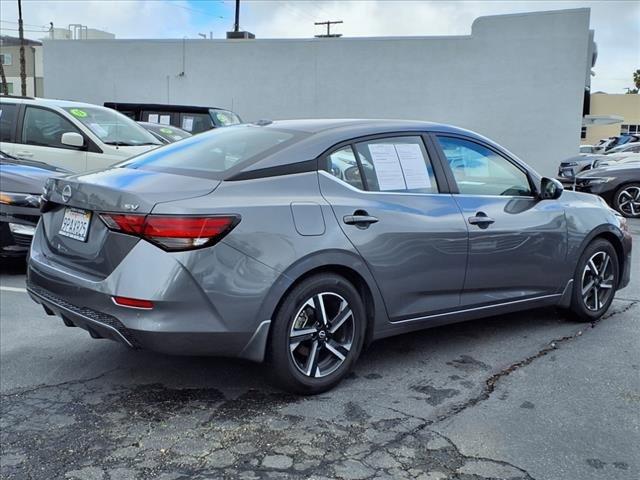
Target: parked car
(165,134)
(587,149)
(260,241)
(187,117)
(569,168)
(70,135)
(21,183)
(616,159)
(618,184)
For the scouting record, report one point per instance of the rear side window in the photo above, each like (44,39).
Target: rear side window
(218,153)
(8,113)
(397,164)
(342,164)
(45,128)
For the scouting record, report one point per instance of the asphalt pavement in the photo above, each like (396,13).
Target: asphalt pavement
(523,396)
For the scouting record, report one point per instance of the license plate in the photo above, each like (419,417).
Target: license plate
(75,224)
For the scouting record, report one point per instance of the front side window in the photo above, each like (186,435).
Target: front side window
(479,170)
(45,128)
(224,118)
(397,164)
(112,127)
(7,121)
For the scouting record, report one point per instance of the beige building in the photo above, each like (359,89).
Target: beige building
(625,106)
(10,58)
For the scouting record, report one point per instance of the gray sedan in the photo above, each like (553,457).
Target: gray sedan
(300,242)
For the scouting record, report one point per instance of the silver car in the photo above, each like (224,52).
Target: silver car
(300,242)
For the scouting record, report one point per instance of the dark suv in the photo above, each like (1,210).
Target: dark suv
(192,119)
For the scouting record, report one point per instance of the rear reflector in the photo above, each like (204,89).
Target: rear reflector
(133,302)
(171,232)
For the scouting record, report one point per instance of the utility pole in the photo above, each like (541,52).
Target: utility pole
(23,72)
(328,23)
(4,87)
(236,24)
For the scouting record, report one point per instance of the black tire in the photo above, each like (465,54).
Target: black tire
(606,274)
(287,357)
(627,200)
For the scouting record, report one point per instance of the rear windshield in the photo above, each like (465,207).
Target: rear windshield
(218,153)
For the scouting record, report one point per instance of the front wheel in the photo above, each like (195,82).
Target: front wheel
(627,200)
(595,281)
(317,334)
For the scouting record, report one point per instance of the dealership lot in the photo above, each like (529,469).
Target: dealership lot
(524,396)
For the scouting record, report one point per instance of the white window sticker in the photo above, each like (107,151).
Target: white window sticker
(153,118)
(413,165)
(187,123)
(388,169)
(165,119)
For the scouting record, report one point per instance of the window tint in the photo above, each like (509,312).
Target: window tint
(217,153)
(45,128)
(343,165)
(398,164)
(7,121)
(480,171)
(195,122)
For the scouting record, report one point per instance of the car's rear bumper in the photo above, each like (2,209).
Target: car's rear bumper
(183,320)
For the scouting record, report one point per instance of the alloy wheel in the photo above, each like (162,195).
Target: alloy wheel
(597,281)
(321,335)
(629,201)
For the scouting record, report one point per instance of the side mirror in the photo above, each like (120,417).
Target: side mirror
(72,139)
(550,189)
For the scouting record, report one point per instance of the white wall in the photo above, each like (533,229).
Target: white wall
(518,79)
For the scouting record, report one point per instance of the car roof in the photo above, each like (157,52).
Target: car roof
(322,134)
(50,102)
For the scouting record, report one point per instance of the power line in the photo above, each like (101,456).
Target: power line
(184,7)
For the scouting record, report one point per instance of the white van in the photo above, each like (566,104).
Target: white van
(71,135)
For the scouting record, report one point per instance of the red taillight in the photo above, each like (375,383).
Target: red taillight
(133,302)
(173,232)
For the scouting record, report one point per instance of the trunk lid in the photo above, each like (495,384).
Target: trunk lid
(125,189)
(114,190)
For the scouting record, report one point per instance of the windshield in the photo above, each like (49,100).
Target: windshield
(224,118)
(112,127)
(217,153)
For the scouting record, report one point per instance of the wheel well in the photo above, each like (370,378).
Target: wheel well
(352,276)
(617,245)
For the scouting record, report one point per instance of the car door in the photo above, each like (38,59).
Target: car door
(8,122)
(517,243)
(392,202)
(41,139)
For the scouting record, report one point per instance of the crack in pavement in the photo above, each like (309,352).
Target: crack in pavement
(491,382)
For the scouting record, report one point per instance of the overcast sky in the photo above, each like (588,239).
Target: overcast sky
(616,23)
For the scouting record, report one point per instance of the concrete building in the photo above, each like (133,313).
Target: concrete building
(624,106)
(10,58)
(519,79)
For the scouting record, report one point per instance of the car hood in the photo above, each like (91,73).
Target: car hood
(611,171)
(25,178)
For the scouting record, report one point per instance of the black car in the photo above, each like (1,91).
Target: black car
(193,119)
(21,183)
(618,184)
(165,133)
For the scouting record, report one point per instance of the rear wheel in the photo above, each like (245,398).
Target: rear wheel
(317,335)
(595,281)
(627,200)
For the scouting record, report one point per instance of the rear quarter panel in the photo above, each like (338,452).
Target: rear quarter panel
(269,235)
